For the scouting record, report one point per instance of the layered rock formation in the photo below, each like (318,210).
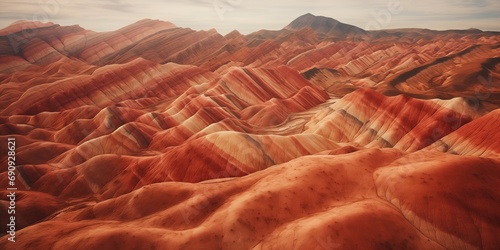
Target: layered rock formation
(320,135)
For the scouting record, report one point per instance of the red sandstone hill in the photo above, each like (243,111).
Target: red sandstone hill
(320,136)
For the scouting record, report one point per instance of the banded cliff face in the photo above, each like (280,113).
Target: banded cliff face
(320,135)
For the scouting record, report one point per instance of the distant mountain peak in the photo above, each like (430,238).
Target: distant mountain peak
(21,25)
(324,25)
(148,21)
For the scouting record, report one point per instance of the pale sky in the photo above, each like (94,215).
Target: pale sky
(252,15)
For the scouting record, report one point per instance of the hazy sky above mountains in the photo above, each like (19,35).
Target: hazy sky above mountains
(248,16)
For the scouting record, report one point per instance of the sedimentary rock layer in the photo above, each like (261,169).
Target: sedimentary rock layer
(320,136)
